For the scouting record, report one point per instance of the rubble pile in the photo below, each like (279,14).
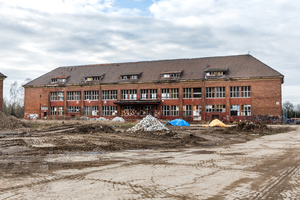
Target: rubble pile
(149,123)
(118,119)
(9,122)
(101,119)
(93,128)
(248,126)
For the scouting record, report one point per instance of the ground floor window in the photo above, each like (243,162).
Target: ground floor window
(221,108)
(105,110)
(53,110)
(234,110)
(165,110)
(113,111)
(197,110)
(77,109)
(95,110)
(70,109)
(174,110)
(60,110)
(187,110)
(210,108)
(87,110)
(148,110)
(246,110)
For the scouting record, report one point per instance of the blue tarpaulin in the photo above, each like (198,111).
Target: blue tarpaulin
(178,122)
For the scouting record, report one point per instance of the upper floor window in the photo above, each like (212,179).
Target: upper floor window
(234,92)
(105,94)
(87,95)
(56,96)
(197,93)
(148,94)
(165,94)
(70,96)
(93,78)
(210,92)
(77,96)
(171,74)
(95,95)
(246,91)
(187,93)
(220,91)
(129,94)
(216,71)
(59,79)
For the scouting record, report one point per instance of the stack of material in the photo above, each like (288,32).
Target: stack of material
(101,119)
(9,122)
(149,123)
(118,119)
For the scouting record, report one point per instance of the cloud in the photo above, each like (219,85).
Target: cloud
(38,36)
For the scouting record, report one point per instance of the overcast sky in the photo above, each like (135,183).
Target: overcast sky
(37,36)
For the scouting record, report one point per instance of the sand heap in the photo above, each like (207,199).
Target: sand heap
(149,123)
(9,122)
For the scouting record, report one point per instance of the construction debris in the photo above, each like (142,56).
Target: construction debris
(149,123)
(9,122)
(118,119)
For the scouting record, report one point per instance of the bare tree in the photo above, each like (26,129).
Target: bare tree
(288,108)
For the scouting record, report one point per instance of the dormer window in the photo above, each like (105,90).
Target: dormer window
(93,78)
(173,74)
(59,79)
(210,72)
(131,76)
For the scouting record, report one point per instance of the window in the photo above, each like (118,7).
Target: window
(187,93)
(53,110)
(144,94)
(54,80)
(196,92)
(210,108)
(220,92)
(132,94)
(210,92)
(78,96)
(95,110)
(165,93)
(61,80)
(187,110)
(153,93)
(53,96)
(87,95)
(60,110)
(174,93)
(44,108)
(246,91)
(113,94)
(60,96)
(197,110)
(70,96)
(77,109)
(165,75)
(124,94)
(87,110)
(246,110)
(220,73)
(95,95)
(124,77)
(175,75)
(113,110)
(105,94)
(234,92)
(105,110)
(70,109)
(234,110)
(221,108)
(165,111)
(134,77)
(96,78)
(174,110)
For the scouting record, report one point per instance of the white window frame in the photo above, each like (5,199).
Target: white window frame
(113,94)
(246,110)
(220,92)
(197,110)
(210,92)
(133,94)
(95,95)
(144,94)
(246,91)
(105,94)
(174,110)
(153,94)
(124,95)
(77,109)
(235,108)
(60,111)
(70,96)
(87,110)
(53,96)
(70,109)
(53,111)
(234,92)
(113,111)
(77,96)
(87,95)
(220,108)
(209,108)
(187,93)
(95,110)
(165,94)
(187,110)
(174,93)
(165,110)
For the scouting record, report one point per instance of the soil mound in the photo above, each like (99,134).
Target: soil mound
(9,122)
(247,126)
(93,128)
(192,139)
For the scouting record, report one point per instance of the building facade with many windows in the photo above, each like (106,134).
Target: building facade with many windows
(228,88)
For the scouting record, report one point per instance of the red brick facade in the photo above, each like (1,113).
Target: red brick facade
(264,100)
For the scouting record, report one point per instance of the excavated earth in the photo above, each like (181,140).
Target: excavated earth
(35,149)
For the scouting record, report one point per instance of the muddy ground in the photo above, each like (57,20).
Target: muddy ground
(47,152)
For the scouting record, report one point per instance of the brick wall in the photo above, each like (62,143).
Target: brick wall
(265,97)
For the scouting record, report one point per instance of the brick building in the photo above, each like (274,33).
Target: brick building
(2,77)
(229,88)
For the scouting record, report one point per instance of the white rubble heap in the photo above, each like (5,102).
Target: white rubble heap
(149,123)
(101,119)
(118,119)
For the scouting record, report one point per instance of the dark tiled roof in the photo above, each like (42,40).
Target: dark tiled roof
(209,69)
(239,66)
(2,75)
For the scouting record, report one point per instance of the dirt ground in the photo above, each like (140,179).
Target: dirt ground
(45,154)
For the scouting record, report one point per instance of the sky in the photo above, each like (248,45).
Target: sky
(37,36)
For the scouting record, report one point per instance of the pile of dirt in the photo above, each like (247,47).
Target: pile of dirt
(10,122)
(149,123)
(248,126)
(191,138)
(94,128)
